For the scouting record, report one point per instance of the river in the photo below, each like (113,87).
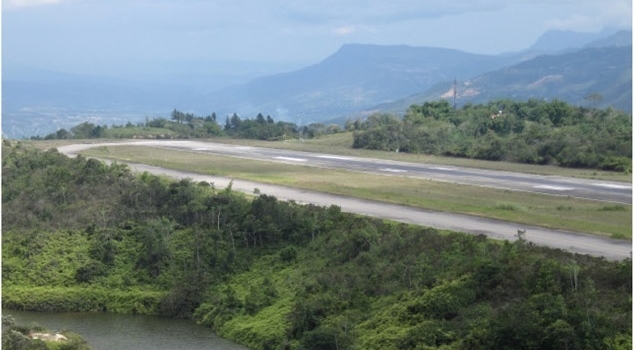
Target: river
(107,331)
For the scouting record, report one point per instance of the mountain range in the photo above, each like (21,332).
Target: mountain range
(356,80)
(362,79)
(355,77)
(605,72)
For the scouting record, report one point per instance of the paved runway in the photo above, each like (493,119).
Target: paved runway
(616,192)
(570,241)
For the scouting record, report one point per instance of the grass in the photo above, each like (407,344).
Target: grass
(615,207)
(527,208)
(511,207)
(138,132)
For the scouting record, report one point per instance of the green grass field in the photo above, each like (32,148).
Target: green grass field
(527,208)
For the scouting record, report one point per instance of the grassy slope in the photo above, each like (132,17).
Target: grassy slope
(441,289)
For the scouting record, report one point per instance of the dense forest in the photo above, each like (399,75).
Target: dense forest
(534,132)
(84,236)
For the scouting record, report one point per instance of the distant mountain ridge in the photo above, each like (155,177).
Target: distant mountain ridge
(357,79)
(353,78)
(603,67)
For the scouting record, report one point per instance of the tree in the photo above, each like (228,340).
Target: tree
(60,134)
(439,110)
(234,123)
(155,252)
(178,116)
(189,117)
(87,130)
(560,113)
(212,128)
(594,99)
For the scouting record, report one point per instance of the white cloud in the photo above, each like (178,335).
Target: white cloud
(381,12)
(351,29)
(345,30)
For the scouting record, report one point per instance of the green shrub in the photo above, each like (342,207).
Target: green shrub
(622,164)
(288,254)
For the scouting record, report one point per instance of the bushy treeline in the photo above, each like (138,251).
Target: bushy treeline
(534,132)
(262,128)
(270,274)
(259,128)
(183,125)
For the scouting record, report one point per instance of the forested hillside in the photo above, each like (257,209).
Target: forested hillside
(80,235)
(534,132)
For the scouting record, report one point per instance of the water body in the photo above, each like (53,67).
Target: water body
(106,331)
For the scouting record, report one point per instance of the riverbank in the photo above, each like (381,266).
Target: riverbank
(19,335)
(81,299)
(107,331)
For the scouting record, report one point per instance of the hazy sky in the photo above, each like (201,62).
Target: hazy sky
(89,34)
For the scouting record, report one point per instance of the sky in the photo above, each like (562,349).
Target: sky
(132,35)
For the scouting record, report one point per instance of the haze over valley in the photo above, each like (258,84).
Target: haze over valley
(354,81)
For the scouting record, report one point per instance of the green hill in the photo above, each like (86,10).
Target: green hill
(83,236)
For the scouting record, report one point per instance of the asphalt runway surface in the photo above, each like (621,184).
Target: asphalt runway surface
(570,241)
(616,192)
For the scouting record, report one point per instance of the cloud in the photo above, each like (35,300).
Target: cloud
(67,30)
(345,30)
(381,12)
(351,29)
